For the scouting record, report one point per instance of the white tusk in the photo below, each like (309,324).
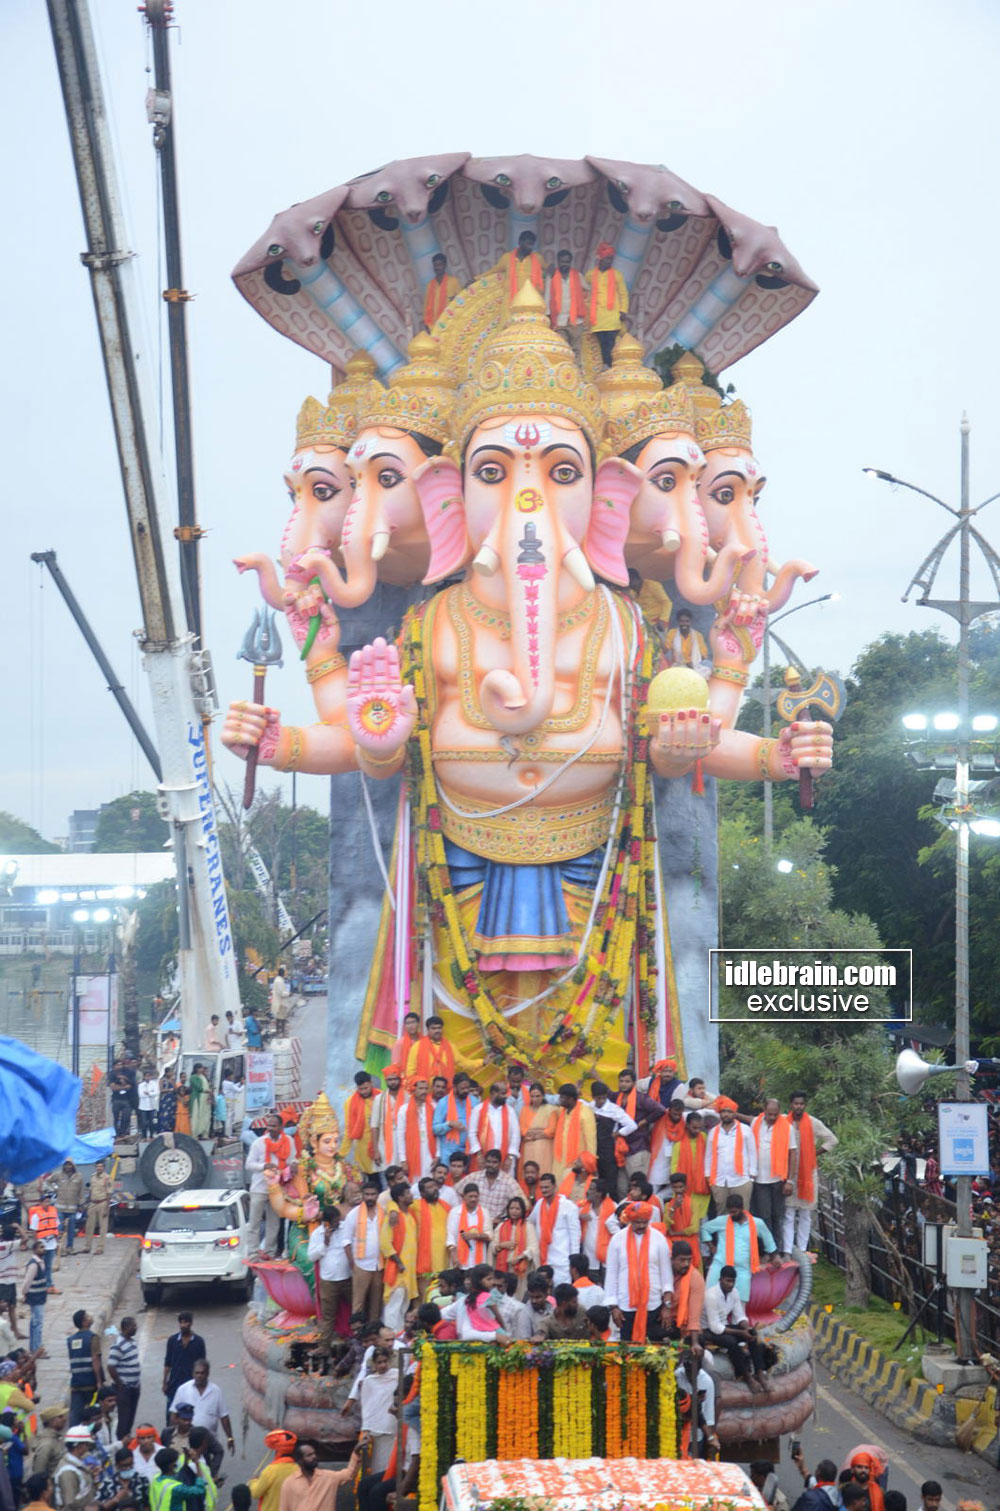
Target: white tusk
(670,540)
(380,544)
(486,560)
(578,567)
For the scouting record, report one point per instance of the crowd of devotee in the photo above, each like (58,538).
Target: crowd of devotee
(509,1211)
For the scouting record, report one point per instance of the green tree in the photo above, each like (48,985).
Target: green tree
(158,936)
(18,838)
(846,1070)
(130,823)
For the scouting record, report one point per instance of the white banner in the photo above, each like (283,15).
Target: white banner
(260,1080)
(964,1138)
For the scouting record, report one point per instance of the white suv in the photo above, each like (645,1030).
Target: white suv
(198,1236)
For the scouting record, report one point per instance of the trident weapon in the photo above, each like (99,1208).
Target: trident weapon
(262,648)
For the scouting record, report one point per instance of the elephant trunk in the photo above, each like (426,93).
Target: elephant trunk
(780,590)
(516,702)
(362,543)
(267,576)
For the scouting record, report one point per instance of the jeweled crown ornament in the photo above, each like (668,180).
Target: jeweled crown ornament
(528,368)
(335,423)
(420,396)
(318,1118)
(716,424)
(635,402)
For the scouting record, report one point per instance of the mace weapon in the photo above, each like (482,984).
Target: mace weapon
(827,692)
(262,648)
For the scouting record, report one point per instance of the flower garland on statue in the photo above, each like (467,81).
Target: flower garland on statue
(623,922)
(429,1484)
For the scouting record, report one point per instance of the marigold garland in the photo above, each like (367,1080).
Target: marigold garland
(470,1407)
(613,1446)
(429,1488)
(635,1412)
(571,1417)
(668,1446)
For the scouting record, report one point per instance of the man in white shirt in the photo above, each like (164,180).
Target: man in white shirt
(385,1108)
(210,1411)
(613,1122)
(639,1268)
(724,1325)
(556,1220)
(361,1249)
(705,1386)
(495,1125)
(777,1165)
(513,1313)
(730,1156)
(326,1250)
(149,1101)
(263,1151)
(415,1121)
(591,1294)
(235,1033)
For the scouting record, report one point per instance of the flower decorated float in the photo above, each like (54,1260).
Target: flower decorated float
(630,1484)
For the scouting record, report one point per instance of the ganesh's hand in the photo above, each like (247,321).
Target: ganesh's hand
(805,745)
(310,1208)
(685,735)
(744,611)
(381,712)
(249,725)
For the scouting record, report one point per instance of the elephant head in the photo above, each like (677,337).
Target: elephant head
(729,489)
(535,519)
(654,427)
(318,485)
(384,536)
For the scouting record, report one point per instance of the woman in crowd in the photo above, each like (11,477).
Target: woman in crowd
(538,1129)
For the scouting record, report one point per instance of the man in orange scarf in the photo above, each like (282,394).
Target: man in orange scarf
(577,1181)
(453,1117)
(361,1232)
(608,300)
(398,1247)
(358,1144)
(267,1486)
(633,1152)
(416,1147)
(730,1156)
(432,1234)
(594,1214)
(688,1156)
(639,1283)
(567,300)
(777,1165)
(432,1055)
(679,1218)
(385,1110)
(739,1240)
(470,1229)
(576,1131)
(866,1471)
(689,1292)
(557,1223)
(814,1139)
(440,291)
(520,267)
(400,1053)
(495,1125)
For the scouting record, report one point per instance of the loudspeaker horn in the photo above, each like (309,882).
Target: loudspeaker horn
(912,1071)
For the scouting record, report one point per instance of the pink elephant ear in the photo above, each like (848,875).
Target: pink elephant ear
(439,488)
(615,486)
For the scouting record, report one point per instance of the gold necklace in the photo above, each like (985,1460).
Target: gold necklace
(497,620)
(562,724)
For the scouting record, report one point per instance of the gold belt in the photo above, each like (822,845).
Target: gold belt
(530,836)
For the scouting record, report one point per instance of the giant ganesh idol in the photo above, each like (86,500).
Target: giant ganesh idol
(521,709)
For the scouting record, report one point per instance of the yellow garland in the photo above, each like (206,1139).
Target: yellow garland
(429,1485)
(470,1407)
(571,1419)
(668,1415)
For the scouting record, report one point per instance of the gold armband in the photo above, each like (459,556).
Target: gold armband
(326,668)
(764,760)
(730,674)
(372,760)
(294,748)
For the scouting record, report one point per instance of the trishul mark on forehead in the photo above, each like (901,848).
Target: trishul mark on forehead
(527,434)
(357,451)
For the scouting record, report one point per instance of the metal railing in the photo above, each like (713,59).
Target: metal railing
(903,1215)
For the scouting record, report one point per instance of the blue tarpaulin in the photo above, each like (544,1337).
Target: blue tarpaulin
(38,1102)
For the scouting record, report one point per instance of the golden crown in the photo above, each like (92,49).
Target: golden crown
(636,403)
(527,368)
(716,424)
(336,422)
(318,1118)
(420,396)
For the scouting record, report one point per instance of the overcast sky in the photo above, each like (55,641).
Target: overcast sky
(864,129)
